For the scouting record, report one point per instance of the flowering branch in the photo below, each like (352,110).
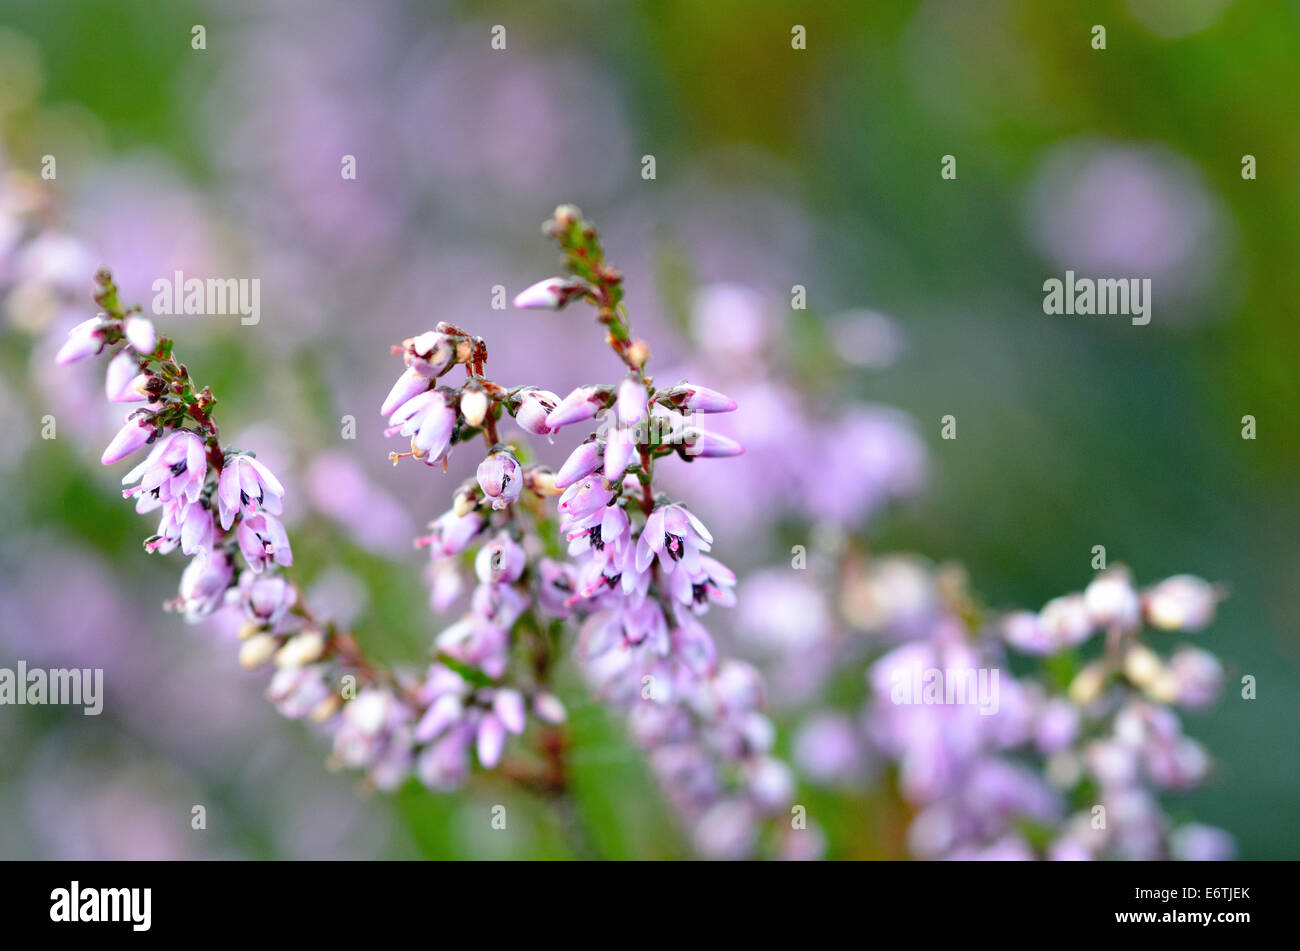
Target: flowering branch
(626,563)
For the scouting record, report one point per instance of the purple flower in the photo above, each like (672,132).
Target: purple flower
(583,461)
(430,354)
(249,487)
(176,468)
(263,541)
(711,581)
(500,561)
(266,598)
(409,385)
(204,583)
(478,642)
(499,604)
(675,535)
(584,497)
(430,420)
(1180,603)
(452,533)
(188,524)
(500,477)
(135,432)
(556,585)
(84,340)
(534,407)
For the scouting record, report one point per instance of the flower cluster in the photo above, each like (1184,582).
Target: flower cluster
(1062,763)
(634,570)
(594,544)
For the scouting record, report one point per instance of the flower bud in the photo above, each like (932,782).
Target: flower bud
(549,708)
(1088,684)
(300,650)
(1112,601)
(1181,603)
(473,406)
(140,334)
(540,481)
(133,434)
(532,410)
(256,651)
(500,477)
(711,445)
(583,461)
(1142,665)
(582,403)
(84,340)
(550,294)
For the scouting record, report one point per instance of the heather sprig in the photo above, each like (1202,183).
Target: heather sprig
(615,559)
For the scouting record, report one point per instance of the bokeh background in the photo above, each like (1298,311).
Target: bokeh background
(774,167)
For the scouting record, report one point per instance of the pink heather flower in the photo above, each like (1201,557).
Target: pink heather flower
(84,340)
(606,535)
(534,407)
(263,541)
(711,582)
(297,691)
(135,432)
(1112,601)
(582,403)
(584,497)
(444,765)
(500,561)
(188,524)
(1066,620)
(204,583)
(452,533)
(499,604)
(445,584)
(556,584)
(583,461)
(501,477)
(699,399)
(491,741)
(247,486)
(176,468)
(408,386)
(266,598)
(1180,603)
(140,334)
(1199,676)
(702,443)
(626,626)
(430,420)
(430,354)
(549,708)
(675,535)
(693,646)
(123,383)
(475,641)
(550,294)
